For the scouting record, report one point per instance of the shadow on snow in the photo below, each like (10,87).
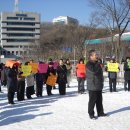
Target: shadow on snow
(119,110)
(25,110)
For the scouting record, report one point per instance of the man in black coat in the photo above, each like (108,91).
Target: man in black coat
(127,74)
(11,83)
(94,85)
(62,77)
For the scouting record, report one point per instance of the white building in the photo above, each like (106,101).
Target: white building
(65,20)
(17,31)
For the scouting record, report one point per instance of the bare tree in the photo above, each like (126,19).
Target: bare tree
(56,37)
(117,13)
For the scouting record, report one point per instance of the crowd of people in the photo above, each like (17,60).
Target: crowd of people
(13,78)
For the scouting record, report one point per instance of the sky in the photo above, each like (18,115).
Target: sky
(50,9)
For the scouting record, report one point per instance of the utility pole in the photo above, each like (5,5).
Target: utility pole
(85,55)
(74,56)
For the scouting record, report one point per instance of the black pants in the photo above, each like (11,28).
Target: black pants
(80,85)
(125,85)
(39,88)
(4,82)
(10,95)
(48,88)
(20,90)
(0,85)
(29,91)
(128,85)
(112,84)
(95,98)
(62,88)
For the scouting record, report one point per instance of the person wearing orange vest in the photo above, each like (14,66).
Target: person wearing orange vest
(81,75)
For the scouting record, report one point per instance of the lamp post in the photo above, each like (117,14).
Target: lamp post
(85,55)
(0,54)
(74,56)
(86,50)
(112,41)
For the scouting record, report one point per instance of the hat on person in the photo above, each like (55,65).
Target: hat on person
(51,63)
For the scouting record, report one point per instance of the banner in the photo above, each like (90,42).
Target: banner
(55,65)
(51,80)
(26,69)
(10,63)
(42,68)
(34,67)
(129,64)
(113,67)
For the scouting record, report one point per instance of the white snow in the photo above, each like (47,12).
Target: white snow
(67,112)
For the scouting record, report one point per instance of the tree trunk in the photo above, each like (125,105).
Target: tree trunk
(119,55)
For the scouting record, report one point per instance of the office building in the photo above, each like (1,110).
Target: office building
(18,31)
(65,20)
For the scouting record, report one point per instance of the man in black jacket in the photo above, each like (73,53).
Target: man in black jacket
(94,85)
(127,74)
(11,83)
(62,77)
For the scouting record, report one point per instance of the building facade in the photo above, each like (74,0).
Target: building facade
(65,20)
(18,31)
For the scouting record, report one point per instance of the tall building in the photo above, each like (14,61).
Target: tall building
(18,31)
(65,20)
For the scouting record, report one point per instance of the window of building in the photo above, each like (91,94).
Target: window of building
(20,29)
(4,52)
(17,52)
(8,53)
(29,18)
(19,40)
(21,15)
(21,23)
(10,46)
(20,35)
(12,52)
(25,46)
(21,18)
(21,52)
(25,52)
(12,18)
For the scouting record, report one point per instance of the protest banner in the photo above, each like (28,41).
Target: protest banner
(10,63)
(129,64)
(26,69)
(51,80)
(113,67)
(42,68)
(55,65)
(34,67)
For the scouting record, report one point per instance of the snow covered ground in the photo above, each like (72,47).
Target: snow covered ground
(67,112)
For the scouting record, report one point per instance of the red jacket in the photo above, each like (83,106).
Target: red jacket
(81,70)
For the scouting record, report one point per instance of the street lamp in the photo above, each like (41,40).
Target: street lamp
(74,55)
(86,50)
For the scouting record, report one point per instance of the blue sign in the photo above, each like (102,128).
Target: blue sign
(67,49)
